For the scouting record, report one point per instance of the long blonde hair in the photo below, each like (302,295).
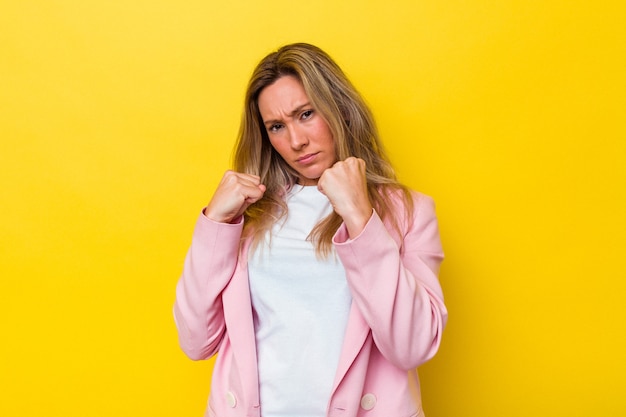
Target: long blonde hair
(350,121)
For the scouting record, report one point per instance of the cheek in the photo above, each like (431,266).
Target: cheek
(323,133)
(280,146)
(328,136)
(275,143)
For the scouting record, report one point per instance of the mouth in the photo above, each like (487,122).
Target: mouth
(307,159)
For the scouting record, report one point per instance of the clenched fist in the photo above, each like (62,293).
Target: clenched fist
(345,185)
(234,194)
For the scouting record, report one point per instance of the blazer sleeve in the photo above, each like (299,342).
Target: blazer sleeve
(209,265)
(395,284)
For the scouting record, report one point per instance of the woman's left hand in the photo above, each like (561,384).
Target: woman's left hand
(345,185)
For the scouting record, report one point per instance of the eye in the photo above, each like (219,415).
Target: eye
(306,114)
(275,127)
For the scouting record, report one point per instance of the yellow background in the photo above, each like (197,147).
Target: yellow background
(116,122)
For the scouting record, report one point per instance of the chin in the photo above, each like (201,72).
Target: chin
(307,181)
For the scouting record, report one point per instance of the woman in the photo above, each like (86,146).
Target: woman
(312,272)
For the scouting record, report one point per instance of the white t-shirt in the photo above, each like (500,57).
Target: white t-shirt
(301,306)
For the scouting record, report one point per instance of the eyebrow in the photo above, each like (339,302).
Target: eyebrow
(291,114)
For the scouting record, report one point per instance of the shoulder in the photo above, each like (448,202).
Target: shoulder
(422,204)
(409,214)
(407,202)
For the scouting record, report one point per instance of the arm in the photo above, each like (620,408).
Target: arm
(397,291)
(209,265)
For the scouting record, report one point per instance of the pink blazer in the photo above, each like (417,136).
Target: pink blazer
(395,323)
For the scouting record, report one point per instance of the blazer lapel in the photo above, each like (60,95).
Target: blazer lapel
(356,335)
(240,327)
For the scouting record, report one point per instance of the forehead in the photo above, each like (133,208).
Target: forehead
(283,96)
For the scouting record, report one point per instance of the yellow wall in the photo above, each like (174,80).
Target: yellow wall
(116,122)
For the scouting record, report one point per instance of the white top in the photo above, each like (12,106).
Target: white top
(301,306)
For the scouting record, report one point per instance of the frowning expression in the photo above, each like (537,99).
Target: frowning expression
(296,130)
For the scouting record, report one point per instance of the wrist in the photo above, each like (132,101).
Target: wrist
(211,216)
(356,223)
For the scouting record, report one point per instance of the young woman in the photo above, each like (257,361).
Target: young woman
(312,272)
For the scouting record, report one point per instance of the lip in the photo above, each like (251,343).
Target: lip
(307,159)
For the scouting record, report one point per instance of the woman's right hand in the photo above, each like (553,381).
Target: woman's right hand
(234,194)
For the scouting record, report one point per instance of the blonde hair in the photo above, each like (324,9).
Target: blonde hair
(354,133)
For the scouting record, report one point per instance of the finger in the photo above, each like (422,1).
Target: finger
(249,177)
(236,177)
(254,194)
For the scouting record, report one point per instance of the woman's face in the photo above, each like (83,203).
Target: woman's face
(296,130)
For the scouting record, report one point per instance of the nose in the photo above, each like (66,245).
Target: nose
(297,137)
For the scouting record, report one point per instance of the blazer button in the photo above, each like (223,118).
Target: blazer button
(368,402)
(231,400)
